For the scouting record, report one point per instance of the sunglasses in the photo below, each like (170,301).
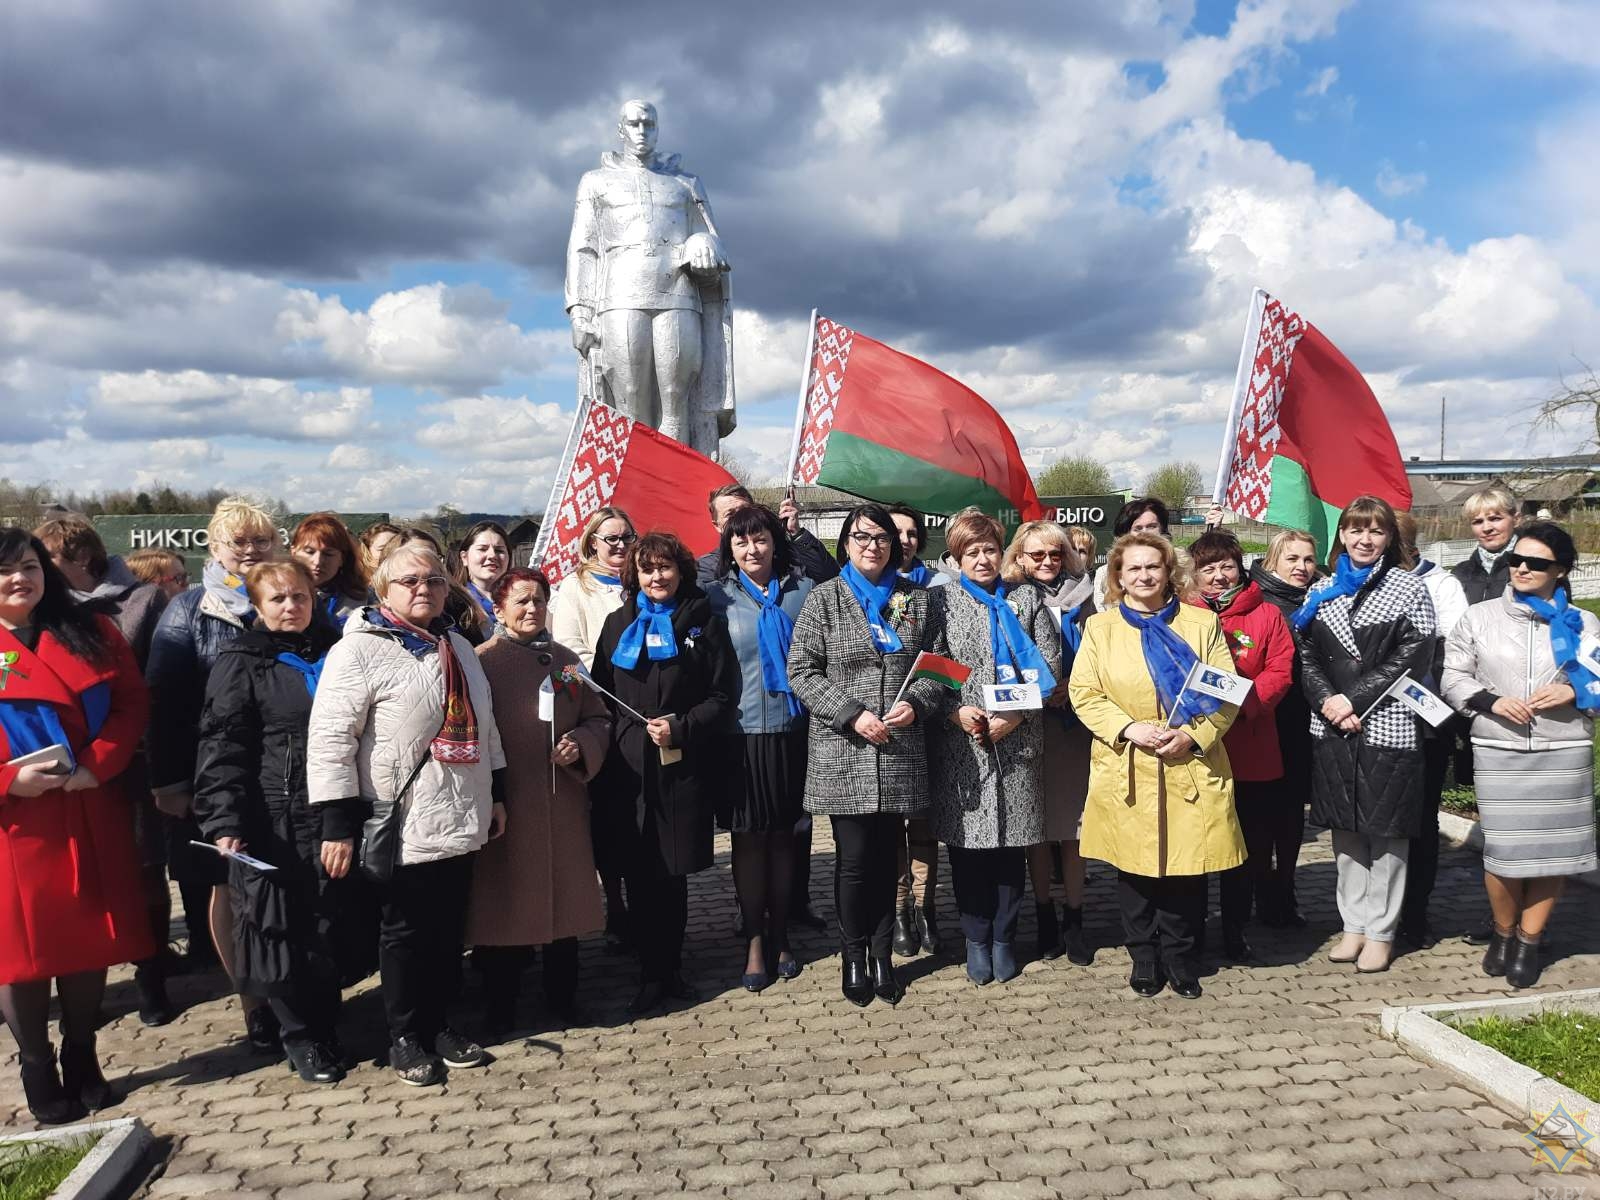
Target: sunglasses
(1041,555)
(1531,562)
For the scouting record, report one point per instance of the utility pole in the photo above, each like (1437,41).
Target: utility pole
(1441,428)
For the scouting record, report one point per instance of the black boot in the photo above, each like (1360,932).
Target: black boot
(155,1006)
(884,984)
(1522,962)
(1235,946)
(314,1062)
(1072,939)
(261,1030)
(854,983)
(906,941)
(927,923)
(81,1078)
(1494,958)
(48,1101)
(1049,945)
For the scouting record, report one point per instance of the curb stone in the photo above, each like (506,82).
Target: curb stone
(1427,1031)
(117,1158)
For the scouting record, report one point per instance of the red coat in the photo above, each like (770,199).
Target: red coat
(1263,650)
(69,875)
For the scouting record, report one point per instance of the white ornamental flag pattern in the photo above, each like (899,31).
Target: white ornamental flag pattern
(591,481)
(1258,396)
(824,381)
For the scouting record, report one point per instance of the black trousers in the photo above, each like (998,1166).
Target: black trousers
(658,906)
(309,1013)
(1422,864)
(421,923)
(1273,822)
(989,886)
(1162,917)
(503,966)
(866,874)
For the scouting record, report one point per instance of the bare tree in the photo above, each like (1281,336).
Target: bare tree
(1572,400)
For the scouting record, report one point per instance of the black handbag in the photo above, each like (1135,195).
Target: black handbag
(378,853)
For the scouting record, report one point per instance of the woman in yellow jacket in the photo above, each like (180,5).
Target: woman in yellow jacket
(1160,806)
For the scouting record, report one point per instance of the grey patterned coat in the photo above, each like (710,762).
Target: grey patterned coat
(837,672)
(974,806)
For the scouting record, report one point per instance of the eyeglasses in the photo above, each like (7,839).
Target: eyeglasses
(617,540)
(1531,562)
(182,578)
(413,583)
(1041,555)
(260,543)
(863,540)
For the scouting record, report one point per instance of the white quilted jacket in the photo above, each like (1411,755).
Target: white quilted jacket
(377,709)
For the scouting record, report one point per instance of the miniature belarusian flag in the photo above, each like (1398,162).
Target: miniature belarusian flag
(941,670)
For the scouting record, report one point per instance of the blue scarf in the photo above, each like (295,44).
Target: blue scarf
(774,633)
(1347,581)
(1015,655)
(874,601)
(483,601)
(1072,634)
(918,575)
(1168,658)
(608,580)
(1566,631)
(651,632)
(311,672)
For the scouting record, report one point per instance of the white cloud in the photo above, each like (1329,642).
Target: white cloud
(497,429)
(1545,31)
(1394,183)
(146,403)
(1321,82)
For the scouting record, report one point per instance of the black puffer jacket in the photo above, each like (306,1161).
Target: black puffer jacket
(1366,783)
(187,640)
(1293,714)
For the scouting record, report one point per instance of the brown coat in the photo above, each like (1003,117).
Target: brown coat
(537,883)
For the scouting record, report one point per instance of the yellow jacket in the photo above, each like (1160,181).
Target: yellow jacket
(1145,816)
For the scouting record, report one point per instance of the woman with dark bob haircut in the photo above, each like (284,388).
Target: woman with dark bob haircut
(1144,514)
(666,656)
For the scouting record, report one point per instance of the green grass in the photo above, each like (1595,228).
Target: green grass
(31,1171)
(1563,1045)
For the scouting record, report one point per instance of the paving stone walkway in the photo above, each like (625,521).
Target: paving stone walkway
(1059,1084)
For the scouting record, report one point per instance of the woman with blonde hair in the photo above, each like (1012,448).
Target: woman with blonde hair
(1492,513)
(1043,553)
(460,609)
(377,540)
(1160,807)
(193,630)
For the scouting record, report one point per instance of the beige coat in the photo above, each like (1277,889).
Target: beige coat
(579,606)
(1144,816)
(537,883)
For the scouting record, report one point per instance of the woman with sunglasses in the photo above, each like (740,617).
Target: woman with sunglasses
(854,644)
(579,606)
(1042,553)
(1512,664)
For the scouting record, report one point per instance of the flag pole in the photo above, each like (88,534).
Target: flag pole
(800,404)
(558,487)
(1177,701)
(1241,389)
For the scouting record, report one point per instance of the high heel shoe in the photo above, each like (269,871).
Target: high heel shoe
(1049,943)
(1005,962)
(1348,949)
(754,981)
(855,985)
(884,984)
(980,963)
(787,968)
(1374,957)
(1072,939)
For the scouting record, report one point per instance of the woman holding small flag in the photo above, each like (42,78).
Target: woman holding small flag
(985,761)
(664,657)
(250,795)
(1514,664)
(1043,553)
(536,885)
(759,594)
(1263,652)
(1160,806)
(1359,631)
(850,665)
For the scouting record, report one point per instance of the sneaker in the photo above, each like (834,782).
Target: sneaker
(459,1051)
(414,1065)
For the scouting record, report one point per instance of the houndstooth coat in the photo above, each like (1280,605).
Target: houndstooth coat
(1357,646)
(977,805)
(836,672)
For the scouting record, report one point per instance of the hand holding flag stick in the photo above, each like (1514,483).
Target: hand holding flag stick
(1204,688)
(1415,697)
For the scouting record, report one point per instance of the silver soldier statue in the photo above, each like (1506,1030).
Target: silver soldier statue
(647,291)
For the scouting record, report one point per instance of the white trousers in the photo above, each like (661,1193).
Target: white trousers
(1372,883)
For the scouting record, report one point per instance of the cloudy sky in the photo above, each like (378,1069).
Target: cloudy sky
(315,248)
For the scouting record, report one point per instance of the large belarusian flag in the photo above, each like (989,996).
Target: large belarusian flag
(885,426)
(1305,433)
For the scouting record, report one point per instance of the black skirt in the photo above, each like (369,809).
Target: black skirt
(764,795)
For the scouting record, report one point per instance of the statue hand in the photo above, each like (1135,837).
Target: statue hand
(703,255)
(584,335)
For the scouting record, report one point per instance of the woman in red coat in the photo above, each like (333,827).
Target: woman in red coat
(70,900)
(1263,651)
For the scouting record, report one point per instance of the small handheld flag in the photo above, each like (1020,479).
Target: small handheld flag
(1224,685)
(1195,700)
(1418,699)
(946,671)
(547,701)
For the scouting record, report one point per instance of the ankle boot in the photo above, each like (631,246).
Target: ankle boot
(1005,962)
(1044,912)
(81,1076)
(1072,939)
(980,962)
(884,984)
(927,926)
(48,1100)
(1494,958)
(1522,961)
(855,985)
(155,1006)
(906,941)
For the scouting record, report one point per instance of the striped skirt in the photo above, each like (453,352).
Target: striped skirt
(1537,810)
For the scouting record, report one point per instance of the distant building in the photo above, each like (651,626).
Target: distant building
(1560,484)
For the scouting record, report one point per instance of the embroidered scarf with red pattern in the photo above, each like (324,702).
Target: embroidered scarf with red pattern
(457,739)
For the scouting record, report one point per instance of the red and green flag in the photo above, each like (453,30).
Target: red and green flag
(1305,433)
(885,426)
(941,670)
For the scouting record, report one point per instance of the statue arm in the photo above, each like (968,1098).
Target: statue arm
(583,250)
(706,251)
